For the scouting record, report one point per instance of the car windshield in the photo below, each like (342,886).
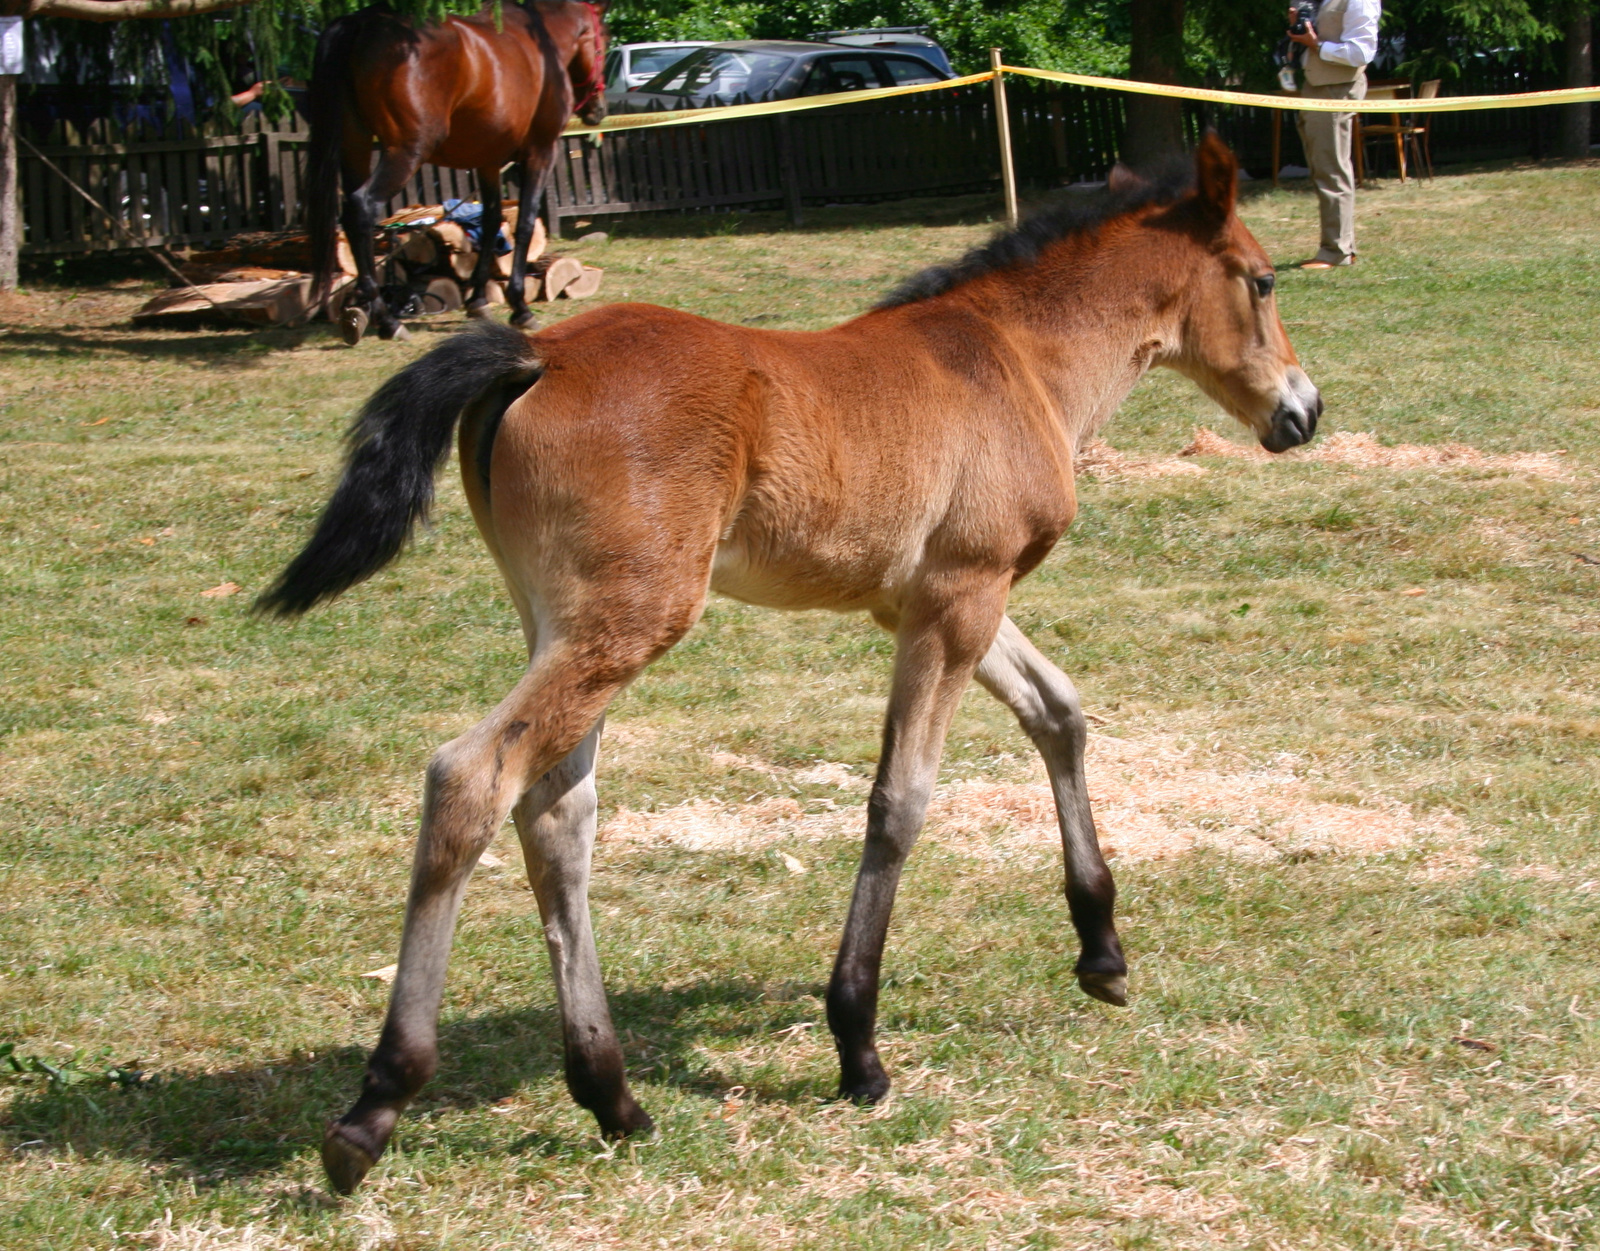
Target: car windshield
(651,61)
(721,72)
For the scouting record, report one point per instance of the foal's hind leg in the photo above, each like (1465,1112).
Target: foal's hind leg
(940,640)
(1017,674)
(472,784)
(556,822)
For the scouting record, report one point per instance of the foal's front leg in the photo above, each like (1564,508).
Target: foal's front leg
(556,823)
(940,640)
(1017,674)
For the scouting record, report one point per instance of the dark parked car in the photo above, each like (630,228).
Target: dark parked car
(912,39)
(760,69)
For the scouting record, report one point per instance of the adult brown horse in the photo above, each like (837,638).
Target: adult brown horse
(467,92)
(913,463)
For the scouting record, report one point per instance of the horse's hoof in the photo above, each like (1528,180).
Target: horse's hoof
(344,1162)
(396,333)
(1109,988)
(524,319)
(868,1086)
(478,312)
(352,325)
(633,1122)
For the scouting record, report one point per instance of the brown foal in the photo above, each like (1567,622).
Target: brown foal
(913,463)
(469,93)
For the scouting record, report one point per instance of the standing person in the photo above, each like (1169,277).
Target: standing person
(1339,44)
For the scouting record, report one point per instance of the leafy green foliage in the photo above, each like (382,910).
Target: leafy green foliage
(1226,41)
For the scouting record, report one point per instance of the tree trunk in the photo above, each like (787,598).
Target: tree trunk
(1155,123)
(10,222)
(1577,119)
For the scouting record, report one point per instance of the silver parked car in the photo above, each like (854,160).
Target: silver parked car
(630,65)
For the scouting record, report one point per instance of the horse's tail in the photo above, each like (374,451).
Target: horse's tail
(397,443)
(325,100)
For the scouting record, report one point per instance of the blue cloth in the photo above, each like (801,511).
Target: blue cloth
(468,214)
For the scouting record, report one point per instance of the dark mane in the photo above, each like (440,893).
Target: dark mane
(1075,213)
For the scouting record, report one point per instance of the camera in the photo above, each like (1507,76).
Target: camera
(1305,11)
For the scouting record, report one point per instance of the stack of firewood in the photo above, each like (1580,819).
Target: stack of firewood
(430,246)
(263,278)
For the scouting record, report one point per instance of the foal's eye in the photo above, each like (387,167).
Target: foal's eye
(1265,283)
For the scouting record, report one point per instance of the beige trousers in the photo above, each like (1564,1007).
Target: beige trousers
(1326,139)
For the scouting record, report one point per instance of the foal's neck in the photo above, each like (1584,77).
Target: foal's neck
(1092,315)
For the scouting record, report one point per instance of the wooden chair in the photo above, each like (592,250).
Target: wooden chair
(1417,135)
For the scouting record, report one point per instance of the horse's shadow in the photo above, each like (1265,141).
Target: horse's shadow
(217,1125)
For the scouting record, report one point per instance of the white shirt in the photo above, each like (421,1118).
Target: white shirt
(1358,42)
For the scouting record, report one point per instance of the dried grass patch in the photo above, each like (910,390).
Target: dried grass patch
(1100,460)
(1361,450)
(1358,449)
(1152,800)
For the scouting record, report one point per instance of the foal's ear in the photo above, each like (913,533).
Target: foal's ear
(1121,179)
(1216,176)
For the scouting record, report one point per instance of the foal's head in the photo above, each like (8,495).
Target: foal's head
(1232,343)
(587,66)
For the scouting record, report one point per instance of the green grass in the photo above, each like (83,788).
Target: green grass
(207,818)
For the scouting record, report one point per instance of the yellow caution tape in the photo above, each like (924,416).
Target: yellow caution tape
(1437,104)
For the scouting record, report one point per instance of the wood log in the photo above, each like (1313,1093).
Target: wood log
(286,250)
(563,271)
(584,285)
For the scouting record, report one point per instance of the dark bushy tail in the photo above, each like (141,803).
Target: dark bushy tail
(397,444)
(325,110)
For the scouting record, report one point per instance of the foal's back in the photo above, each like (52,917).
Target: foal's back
(793,469)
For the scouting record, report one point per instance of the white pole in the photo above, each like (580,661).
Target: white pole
(1002,115)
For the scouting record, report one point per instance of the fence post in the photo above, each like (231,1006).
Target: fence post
(277,210)
(1002,116)
(10,203)
(788,171)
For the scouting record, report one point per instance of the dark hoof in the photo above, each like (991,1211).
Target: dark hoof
(1109,988)
(633,1122)
(344,1162)
(865,1090)
(523,320)
(395,333)
(479,312)
(352,325)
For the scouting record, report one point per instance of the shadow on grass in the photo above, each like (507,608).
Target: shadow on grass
(214,1126)
(959,210)
(235,346)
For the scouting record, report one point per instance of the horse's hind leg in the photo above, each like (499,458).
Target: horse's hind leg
(940,639)
(556,823)
(363,207)
(535,170)
(472,784)
(488,232)
(1044,701)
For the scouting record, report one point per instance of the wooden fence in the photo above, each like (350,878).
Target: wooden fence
(186,187)
(197,188)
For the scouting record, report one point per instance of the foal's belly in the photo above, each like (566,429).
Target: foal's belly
(799,581)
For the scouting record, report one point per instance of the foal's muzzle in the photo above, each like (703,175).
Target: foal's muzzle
(1295,419)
